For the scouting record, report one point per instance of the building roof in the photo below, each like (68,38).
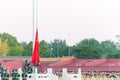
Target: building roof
(70,63)
(89,64)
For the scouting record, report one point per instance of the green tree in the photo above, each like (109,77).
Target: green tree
(29,49)
(87,48)
(45,51)
(59,47)
(109,48)
(25,49)
(12,41)
(3,47)
(16,51)
(13,45)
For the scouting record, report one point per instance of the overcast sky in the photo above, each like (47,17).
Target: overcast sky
(73,20)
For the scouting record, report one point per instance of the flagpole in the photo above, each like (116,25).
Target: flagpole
(35,18)
(35,22)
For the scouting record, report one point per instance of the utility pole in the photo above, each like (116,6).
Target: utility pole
(88,41)
(118,43)
(57,49)
(69,50)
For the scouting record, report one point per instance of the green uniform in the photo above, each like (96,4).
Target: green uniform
(15,76)
(29,70)
(26,64)
(36,65)
(5,76)
(24,76)
(25,68)
(1,70)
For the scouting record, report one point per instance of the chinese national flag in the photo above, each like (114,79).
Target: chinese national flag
(35,54)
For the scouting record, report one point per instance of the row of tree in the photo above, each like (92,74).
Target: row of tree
(87,48)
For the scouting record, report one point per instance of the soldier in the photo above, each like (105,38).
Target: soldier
(24,75)
(1,68)
(25,68)
(36,64)
(5,75)
(30,69)
(15,75)
(26,64)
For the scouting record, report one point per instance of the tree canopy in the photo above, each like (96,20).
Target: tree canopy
(87,48)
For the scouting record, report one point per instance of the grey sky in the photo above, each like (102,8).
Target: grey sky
(72,20)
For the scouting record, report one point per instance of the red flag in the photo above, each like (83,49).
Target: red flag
(35,55)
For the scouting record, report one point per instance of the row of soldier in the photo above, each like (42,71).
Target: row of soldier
(28,69)
(14,75)
(91,74)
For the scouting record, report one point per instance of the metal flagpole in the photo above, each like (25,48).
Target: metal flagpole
(35,18)
(35,23)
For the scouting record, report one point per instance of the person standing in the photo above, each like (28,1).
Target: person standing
(26,64)
(5,75)
(30,69)
(1,68)
(15,75)
(24,75)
